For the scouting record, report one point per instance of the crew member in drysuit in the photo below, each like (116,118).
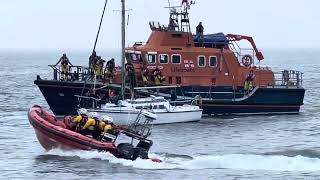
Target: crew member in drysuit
(145,76)
(99,68)
(158,77)
(64,66)
(109,70)
(80,120)
(92,62)
(199,35)
(131,77)
(91,127)
(248,84)
(106,126)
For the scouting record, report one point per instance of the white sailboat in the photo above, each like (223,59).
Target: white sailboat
(126,111)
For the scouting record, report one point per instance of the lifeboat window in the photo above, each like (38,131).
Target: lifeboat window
(213,61)
(201,61)
(139,57)
(134,57)
(152,58)
(163,58)
(176,59)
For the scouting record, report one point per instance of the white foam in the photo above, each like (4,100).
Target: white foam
(231,161)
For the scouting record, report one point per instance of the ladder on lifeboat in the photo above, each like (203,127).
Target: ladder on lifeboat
(185,22)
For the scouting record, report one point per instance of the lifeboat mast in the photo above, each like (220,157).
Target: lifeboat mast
(174,19)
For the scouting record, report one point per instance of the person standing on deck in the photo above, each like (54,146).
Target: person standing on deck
(248,84)
(130,73)
(64,60)
(145,76)
(158,77)
(92,62)
(99,68)
(199,31)
(109,70)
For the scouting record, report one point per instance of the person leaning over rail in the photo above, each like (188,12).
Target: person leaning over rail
(64,60)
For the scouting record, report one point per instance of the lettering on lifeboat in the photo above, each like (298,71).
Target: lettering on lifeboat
(155,67)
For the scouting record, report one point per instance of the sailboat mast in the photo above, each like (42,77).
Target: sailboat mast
(104,9)
(123,34)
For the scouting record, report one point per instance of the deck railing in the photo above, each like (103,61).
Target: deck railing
(288,78)
(75,73)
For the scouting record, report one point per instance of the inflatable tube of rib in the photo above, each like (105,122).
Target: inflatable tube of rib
(53,133)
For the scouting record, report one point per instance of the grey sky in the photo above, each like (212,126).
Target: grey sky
(72,24)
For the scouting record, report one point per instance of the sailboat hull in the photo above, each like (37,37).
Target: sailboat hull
(128,117)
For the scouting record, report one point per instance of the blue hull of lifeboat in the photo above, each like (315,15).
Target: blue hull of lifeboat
(60,96)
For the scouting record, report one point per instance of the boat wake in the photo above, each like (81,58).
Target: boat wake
(230,161)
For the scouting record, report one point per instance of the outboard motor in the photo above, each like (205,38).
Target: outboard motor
(126,150)
(141,151)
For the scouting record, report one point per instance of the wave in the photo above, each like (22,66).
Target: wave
(229,161)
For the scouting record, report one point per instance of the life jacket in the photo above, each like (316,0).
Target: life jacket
(96,126)
(157,79)
(84,120)
(64,65)
(144,78)
(98,69)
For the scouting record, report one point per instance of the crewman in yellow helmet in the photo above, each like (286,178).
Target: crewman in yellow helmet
(107,128)
(91,127)
(81,119)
